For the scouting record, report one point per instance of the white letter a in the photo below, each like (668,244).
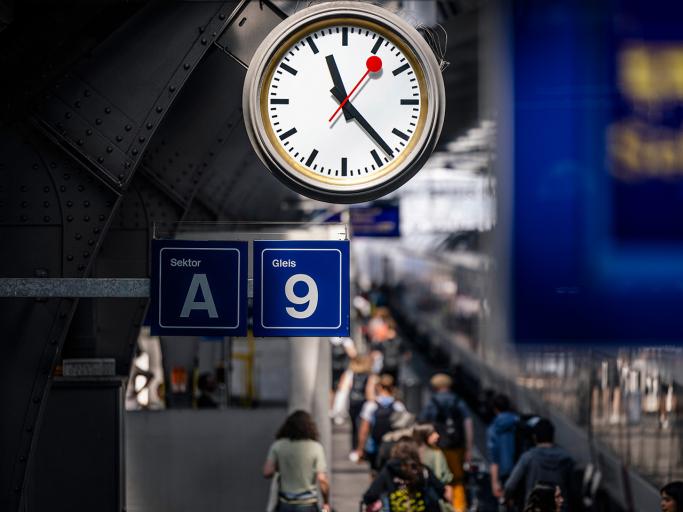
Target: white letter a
(199,281)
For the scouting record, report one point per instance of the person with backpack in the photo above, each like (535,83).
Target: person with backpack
(358,385)
(404,483)
(546,462)
(544,497)
(501,437)
(377,417)
(451,419)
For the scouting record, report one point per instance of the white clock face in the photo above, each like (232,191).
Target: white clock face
(375,126)
(344,101)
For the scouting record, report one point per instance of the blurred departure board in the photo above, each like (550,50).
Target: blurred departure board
(597,225)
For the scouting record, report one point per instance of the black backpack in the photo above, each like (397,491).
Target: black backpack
(358,385)
(449,423)
(392,354)
(382,423)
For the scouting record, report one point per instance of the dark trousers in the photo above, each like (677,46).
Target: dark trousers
(288,507)
(354,413)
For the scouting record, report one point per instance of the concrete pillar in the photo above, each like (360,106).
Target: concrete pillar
(310,381)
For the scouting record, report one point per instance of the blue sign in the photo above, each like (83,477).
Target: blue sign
(301,288)
(376,219)
(597,237)
(199,288)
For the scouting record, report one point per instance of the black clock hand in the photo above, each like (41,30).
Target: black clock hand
(336,79)
(349,109)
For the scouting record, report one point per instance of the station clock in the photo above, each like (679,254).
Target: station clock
(344,101)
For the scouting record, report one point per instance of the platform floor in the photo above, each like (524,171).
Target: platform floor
(349,480)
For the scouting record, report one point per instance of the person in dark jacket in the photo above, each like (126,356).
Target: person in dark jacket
(500,441)
(672,497)
(544,497)
(546,462)
(404,483)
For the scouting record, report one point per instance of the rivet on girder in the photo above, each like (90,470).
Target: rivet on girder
(46,218)
(77,104)
(100,159)
(78,236)
(126,165)
(160,110)
(23,218)
(135,151)
(69,203)
(62,188)
(88,132)
(86,218)
(150,126)
(24,204)
(201,30)
(34,167)
(79,142)
(204,40)
(98,121)
(119,138)
(107,110)
(86,254)
(67,176)
(81,267)
(86,203)
(109,149)
(91,242)
(22,458)
(86,93)
(69,218)
(142,139)
(102,217)
(172,88)
(69,257)
(67,115)
(96,230)
(127,127)
(186,66)
(221,16)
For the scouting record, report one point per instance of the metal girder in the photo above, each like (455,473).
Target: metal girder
(73,287)
(52,216)
(107,109)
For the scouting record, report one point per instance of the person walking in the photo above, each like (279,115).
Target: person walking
(299,458)
(427,439)
(452,420)
(404,483)
(672,497)
(546,462)
(358,384)
(500,441)
(378,417)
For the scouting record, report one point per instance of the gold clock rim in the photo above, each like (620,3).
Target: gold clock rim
(308,29)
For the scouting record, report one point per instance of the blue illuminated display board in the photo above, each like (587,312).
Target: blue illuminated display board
(301,288)
(199,288)
(597,230)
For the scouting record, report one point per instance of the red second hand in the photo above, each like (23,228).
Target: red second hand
(374,64)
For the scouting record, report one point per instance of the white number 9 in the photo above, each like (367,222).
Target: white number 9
(311,296)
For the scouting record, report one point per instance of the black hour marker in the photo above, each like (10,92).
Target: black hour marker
(293,71)
(399,69)
(410,102)
(314,153)
(400,134)
(279,101)
(343,166)
(345,36)
(376,157)
(288,133)
(310,42)
(377,45)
